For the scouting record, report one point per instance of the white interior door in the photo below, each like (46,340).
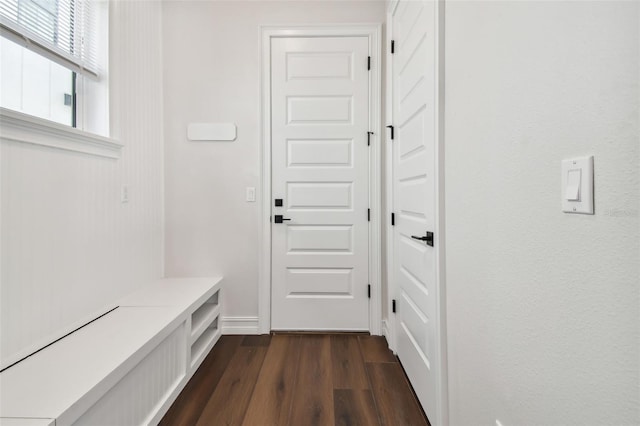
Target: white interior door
(320,168)
(414,202)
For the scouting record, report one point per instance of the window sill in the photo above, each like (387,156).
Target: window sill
(19,127)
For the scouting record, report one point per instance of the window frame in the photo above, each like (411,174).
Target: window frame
(16,126)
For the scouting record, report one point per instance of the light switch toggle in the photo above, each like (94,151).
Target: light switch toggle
(573,185)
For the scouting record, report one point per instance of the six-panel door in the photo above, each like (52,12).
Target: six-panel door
(414,202)
(320,168)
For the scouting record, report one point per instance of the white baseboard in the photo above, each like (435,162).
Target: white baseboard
(240,325)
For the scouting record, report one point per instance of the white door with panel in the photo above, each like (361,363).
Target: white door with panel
(414,198)
(320,169)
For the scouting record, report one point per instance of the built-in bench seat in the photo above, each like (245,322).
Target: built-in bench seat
(125,368)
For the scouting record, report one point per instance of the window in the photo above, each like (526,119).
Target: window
(35,85)
(52,52)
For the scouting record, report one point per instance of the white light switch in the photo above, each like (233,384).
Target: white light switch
(251,194)
(577,185)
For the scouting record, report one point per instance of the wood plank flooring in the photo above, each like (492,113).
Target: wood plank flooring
(298,380)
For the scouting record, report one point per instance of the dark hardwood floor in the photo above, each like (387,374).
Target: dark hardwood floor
(298,380)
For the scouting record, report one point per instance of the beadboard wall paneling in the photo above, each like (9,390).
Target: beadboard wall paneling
(137,397)
(69,247)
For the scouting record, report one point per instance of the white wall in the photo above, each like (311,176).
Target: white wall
(543,306)
(69,247)
(212,73)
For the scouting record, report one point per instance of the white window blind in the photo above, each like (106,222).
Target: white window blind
(64,31)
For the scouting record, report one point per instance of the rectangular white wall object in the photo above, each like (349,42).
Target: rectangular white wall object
(251,194)
(577,185)
(211,131)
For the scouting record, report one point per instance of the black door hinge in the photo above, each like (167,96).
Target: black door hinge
(393,46)
(369,138)
(369,291)
(391,127)
(393,306)
(368,215)
(368,62)
(393,219)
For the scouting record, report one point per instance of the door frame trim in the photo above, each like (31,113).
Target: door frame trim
(374,33)
(390,323)
(442,397)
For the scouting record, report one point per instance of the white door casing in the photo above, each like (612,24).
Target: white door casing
(415,275)
(321,168)
(373,34)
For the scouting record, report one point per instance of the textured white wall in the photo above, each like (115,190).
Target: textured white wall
(69,247)
(212,73)
(543,307)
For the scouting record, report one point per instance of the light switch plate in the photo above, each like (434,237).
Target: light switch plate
(251,194)
(577,185)
(124,194)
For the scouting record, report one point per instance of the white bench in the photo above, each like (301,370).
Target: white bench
(125,368)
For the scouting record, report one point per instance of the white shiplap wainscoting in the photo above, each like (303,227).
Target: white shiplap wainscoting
(70,247)
(132,400)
